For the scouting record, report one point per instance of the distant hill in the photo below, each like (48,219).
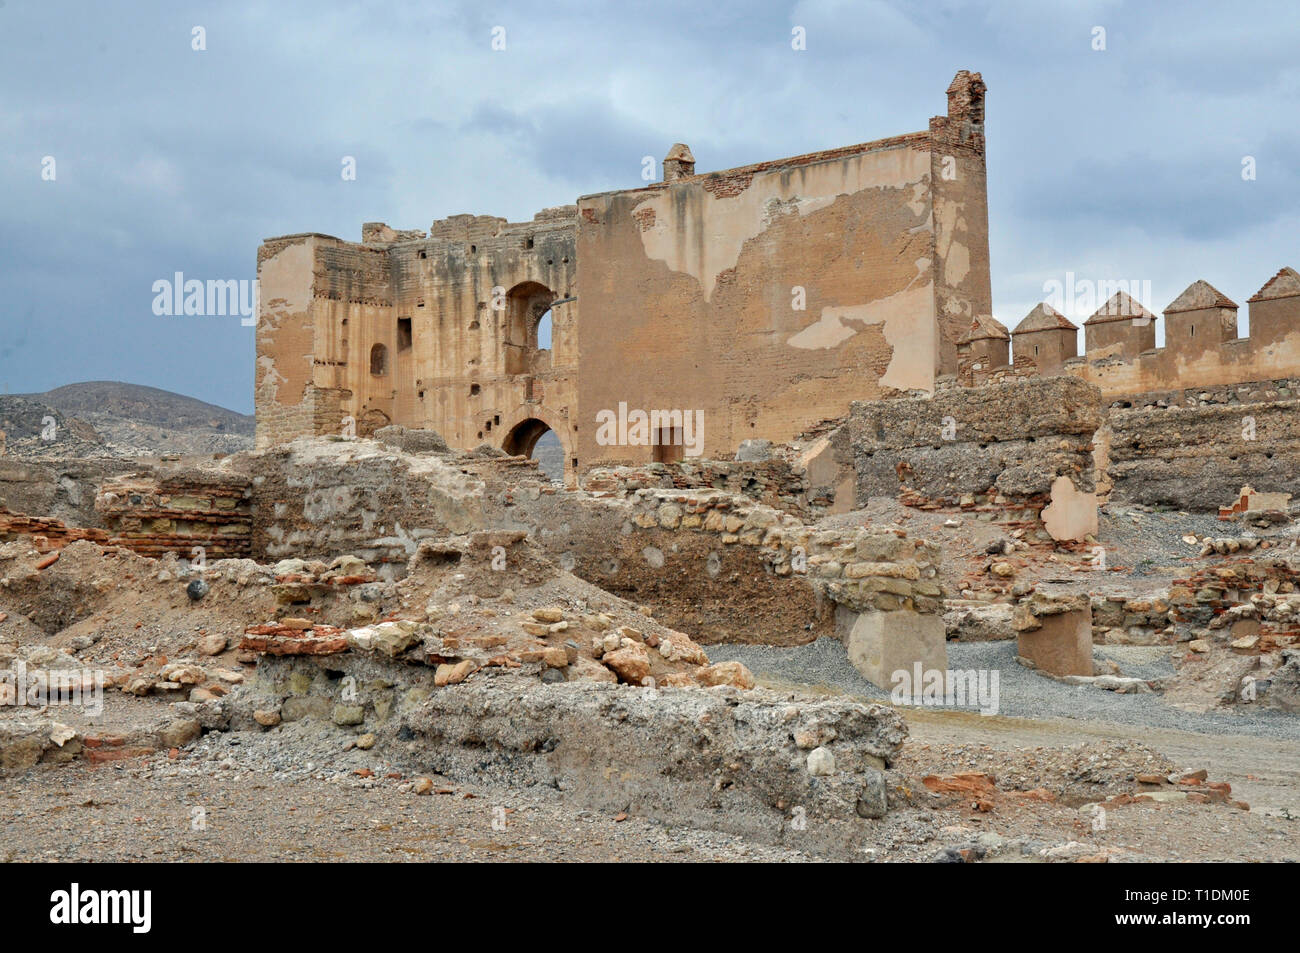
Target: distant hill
(119,419)
(145,405)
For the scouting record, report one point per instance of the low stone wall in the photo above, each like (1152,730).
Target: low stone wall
(774,483)
(320,498)
(60,489)
(740,761)
(45,532)
(1198,458)
(186,511)
(1024,446)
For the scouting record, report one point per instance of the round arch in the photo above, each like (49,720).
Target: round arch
(522,438)
(525,426)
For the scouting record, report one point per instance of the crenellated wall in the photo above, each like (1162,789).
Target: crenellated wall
(1202,347)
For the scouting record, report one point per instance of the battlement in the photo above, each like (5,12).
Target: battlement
(1202,346)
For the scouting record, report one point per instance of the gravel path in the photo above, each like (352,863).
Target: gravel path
(824,665)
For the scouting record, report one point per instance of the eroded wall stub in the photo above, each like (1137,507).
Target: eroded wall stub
(286,340)
(1000,445)
(1161,455)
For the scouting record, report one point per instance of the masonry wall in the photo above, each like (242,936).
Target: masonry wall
(190,511)
(1000,446)
(1202,347)
(763,296)
(1194,449)
(455,315)
(687,290)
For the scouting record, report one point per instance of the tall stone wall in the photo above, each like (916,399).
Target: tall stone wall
(759,297)
(436,331)
(763,296)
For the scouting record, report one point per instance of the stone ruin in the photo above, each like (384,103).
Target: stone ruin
(392,527)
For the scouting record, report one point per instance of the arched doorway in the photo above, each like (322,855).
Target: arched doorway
(534,438)
(526,305)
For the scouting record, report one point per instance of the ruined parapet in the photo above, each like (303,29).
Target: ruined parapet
(1000,447)
(378,233)
(466,228)
(194,513)
(1158,454)
(1201,343)
(1054,633)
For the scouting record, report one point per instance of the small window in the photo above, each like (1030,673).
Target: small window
(1193,334)
(1035,350)
(424,254)
(403,334)
(474,248)
(379,360)
(528,242)
(419,302)
(474,390)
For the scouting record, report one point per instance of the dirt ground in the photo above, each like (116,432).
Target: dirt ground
(226,802)
(974,788)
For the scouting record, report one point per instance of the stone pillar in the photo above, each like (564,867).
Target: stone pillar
(881,644)
(1055,633)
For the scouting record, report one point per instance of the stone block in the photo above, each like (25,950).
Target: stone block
(882,643)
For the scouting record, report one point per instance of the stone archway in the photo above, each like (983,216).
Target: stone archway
(372,420)
(526,304)
(528,424)
(522,439)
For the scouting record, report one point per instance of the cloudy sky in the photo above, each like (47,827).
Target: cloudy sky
(1117,163)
